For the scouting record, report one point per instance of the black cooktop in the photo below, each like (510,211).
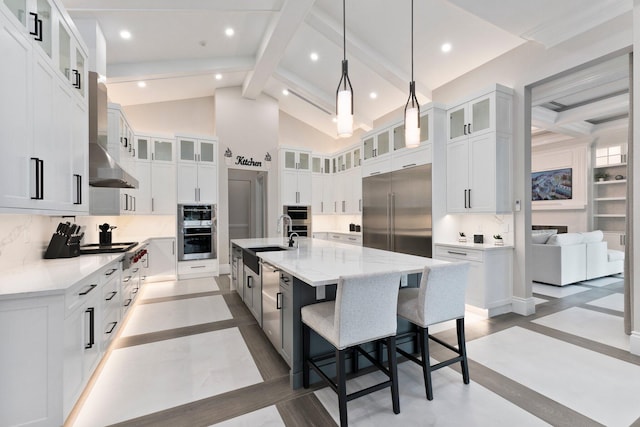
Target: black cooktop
(96,248)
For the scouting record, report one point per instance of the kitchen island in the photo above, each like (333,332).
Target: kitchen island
(309,274)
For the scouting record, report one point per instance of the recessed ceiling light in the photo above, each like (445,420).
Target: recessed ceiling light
(125,34)
(446,47)
(218,76)
(285,92)
(229,32)
(313,56)
(142,84)
(373,95)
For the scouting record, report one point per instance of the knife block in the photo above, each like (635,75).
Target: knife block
(60,248)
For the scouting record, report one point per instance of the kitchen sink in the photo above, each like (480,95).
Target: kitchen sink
(250,259)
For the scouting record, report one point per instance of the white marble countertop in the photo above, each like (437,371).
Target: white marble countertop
(51,276)
(320,262)
(345,232)
(471,245)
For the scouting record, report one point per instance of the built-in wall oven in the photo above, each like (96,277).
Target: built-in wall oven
(300,220)
(197,234)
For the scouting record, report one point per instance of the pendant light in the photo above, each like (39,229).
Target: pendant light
(344,94)
(412,108)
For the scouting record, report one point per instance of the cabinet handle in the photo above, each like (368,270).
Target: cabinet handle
(126,279)
(127,303)
(279,301)
(249,280)
(465,198)
(465,129)
(457,253)
(92,338)
(322,207)
(113,294)
(113,326)
(198,266)
(89,289)
(37,27)
(152,205)
(110,272)
(352,238)
(77,80)
(469,198)
(359,205)
(39,170)
(344,203)
(173,247)
(134,152)
(469,128)
(409,165)
(134,203)
(374,173)
(78,189)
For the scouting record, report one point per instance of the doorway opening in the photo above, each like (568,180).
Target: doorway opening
(247,204)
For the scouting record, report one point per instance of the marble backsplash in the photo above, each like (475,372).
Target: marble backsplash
(24,238)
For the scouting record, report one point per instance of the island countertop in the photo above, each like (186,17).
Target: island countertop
(320,262)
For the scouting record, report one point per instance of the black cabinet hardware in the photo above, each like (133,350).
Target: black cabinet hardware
(39,170)
(92,338)
(78,200)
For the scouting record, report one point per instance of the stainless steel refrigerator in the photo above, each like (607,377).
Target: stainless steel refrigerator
(396,214)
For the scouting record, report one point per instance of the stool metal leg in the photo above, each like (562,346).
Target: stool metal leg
(426,363)
(393,373)
(341,382)
(462,347)
(305,355)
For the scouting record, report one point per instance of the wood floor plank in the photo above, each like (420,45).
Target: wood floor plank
(305,411)
(269,362)
(179,297)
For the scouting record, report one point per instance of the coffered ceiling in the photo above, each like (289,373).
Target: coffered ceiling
(178,47)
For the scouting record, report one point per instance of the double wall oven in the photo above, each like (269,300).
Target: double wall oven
(300,220)
(197,235)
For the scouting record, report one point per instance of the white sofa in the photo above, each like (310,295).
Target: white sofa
(561,259)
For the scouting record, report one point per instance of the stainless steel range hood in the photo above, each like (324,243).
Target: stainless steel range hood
(104,171)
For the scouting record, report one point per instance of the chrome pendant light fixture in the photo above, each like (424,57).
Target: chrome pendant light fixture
(344,94)
(412,107)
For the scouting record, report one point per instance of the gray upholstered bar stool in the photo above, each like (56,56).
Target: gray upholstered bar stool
(365,309)
(439,298)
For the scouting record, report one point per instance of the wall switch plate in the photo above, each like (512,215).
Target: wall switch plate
(517,205)
(505,228)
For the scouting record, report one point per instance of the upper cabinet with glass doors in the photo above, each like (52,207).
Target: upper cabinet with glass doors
(472,118)
(197,150)
(297,160)
(377,144)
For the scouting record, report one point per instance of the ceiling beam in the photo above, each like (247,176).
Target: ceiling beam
(357,49)
(282,29)
(172,5)
(546,119)
(612,106)
(123,72)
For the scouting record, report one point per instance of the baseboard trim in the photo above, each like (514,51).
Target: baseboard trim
(523,306)
(634,340)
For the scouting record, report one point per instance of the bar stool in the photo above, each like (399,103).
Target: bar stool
(365,309)
(439,298)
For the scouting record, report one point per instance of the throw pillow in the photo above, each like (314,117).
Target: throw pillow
(541,236)
(593,236)
(565,239)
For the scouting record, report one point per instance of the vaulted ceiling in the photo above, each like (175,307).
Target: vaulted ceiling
(178,47)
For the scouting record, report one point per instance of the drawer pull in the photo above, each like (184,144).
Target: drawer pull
(127,302)
(199,266)
(110,272)
(92,314)
(113,294)
(113,326)
(352,238)
(457,253)
(89,289)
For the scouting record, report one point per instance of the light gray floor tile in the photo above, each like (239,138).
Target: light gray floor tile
(147,378)
(182,287)
(176,314)
(265,417)
(557,291)
(594,325)
(539,300)
(454,404)
(612,302)
(601,387)
(602,281)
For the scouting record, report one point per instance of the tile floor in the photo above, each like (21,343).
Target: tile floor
(190,354)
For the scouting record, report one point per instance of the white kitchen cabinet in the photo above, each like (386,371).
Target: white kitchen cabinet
(490,274)
(348,238)
(317,186)
(376,143)
(161,259)
(347,190)
(197,170)
(32,359)
(479,163)
(163,188)
(474,117)
(197,268)
(295,178)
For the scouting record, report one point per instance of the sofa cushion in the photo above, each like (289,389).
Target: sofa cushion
(565,239)
(592,236)
(613,255)
(541,236)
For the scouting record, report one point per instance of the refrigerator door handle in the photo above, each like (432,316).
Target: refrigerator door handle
(393,222)
(388,221)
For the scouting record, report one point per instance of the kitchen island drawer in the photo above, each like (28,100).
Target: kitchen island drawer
(458,253)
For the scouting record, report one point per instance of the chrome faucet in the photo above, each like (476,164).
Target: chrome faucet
(291,241)
(281,219)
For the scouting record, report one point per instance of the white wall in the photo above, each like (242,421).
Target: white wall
(295,133)
(521,67)
(250,129)
(189,116)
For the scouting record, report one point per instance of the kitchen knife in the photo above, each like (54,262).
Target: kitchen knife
(59,229)
(72,230)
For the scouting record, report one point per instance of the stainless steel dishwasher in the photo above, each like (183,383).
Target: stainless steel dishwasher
(271,304)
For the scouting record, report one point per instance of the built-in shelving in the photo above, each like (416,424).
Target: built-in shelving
(609,194)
